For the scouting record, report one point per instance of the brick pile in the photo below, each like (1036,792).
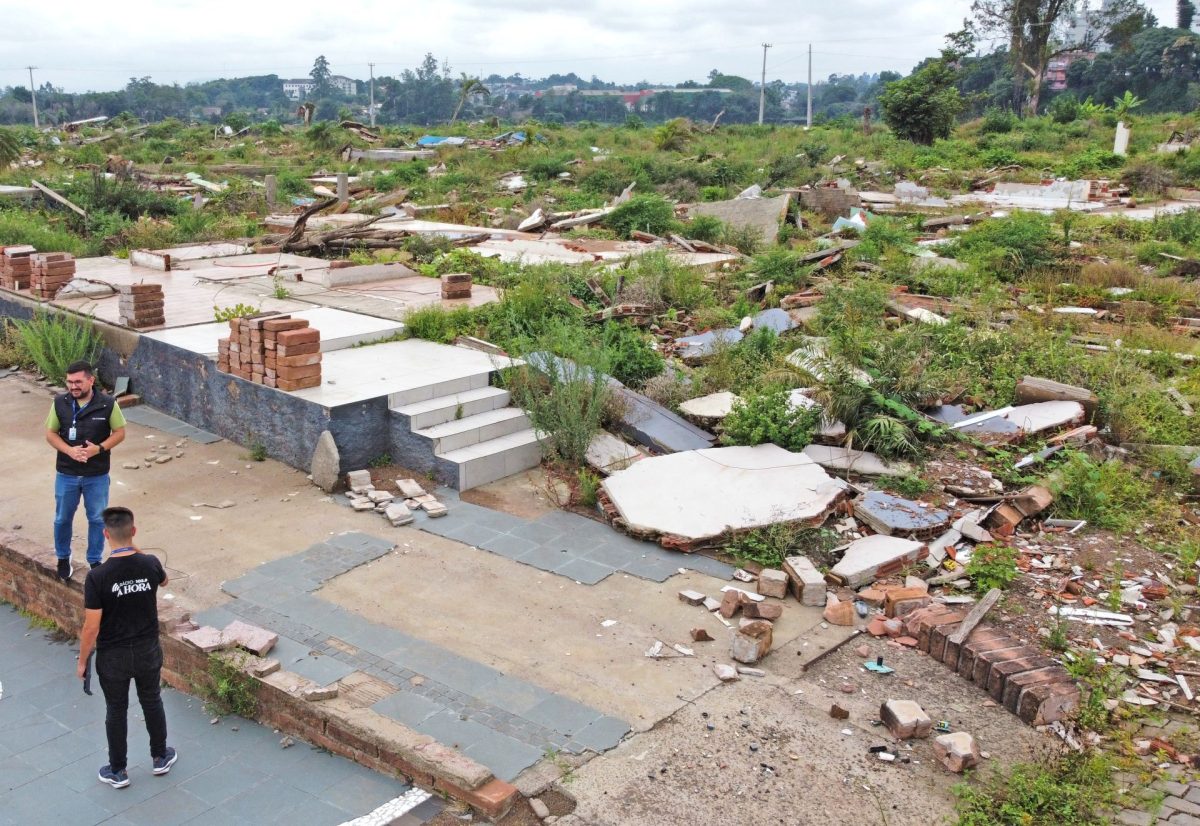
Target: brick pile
(456,285)
(278,351)
(16,267)
(141,305)
(1018,676)
(49,272)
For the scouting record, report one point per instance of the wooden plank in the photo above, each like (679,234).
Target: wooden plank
(1031,390)
(54,196)
(975,617)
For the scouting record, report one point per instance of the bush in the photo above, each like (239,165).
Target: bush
(1148,178)
(997,121)
(705,228)
(53,342)
(647,213)
(992,566)
(1109,495)
(633,360)
(770,417)
(1076,788)
(435,323)
(1064,108)
(1011,246)
(922,107)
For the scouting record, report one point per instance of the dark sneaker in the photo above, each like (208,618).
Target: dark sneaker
(65,569)
(118,780)
(163,764)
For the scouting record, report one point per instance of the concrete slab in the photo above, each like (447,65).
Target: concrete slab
(895,516)
(608,454)
(865,558)
(857,462)
(1012,422)
(339,330)
(714,406)
(765,215)
(705,493)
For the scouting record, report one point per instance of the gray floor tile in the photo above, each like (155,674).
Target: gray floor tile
(543,534)
(321,670)
(263,803)
(223,781)
(505,756)
(449,729)
(513,695)
(509,546)
(707,565)
(363,792)
(408,708)
(547,559)
(32,732)
(602,734)
(584,570)
(609,554)
(656,570)
(171,807)
(561,714)
(458,672)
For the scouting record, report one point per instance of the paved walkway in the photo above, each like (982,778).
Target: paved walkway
(562,543)
(505,723)
(52,743)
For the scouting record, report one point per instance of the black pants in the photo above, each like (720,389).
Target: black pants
(115,667)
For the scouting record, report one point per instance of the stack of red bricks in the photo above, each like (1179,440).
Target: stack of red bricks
(50,272)
(456,285)
(141,305)
(278,351)
(16,267)
(1018,676)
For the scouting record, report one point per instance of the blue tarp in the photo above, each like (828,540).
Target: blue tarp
(436,140)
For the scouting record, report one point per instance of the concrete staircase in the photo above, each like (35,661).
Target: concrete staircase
(464,431)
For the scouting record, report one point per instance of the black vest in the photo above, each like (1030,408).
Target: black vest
(91,425)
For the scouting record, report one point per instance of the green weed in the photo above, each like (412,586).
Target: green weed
(992,566)
(54,341)
(1073,788)
(226,687)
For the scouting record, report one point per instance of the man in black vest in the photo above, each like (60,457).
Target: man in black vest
(83,426)
(120,621)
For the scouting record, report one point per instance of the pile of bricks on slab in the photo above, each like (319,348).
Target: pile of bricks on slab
(278,351)
(456,285)
(396,509)
(141,305)
(49,272)
(16,267)
(254,640)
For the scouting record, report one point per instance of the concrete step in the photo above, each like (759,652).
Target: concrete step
(457,406)
(438,386)
(469,430)
(493,459)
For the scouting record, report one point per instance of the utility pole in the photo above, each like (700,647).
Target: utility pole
(33,93)
(808,123)
(372,65)
(762,89)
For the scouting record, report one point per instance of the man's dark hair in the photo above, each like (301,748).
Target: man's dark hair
(118,521)
(80,367)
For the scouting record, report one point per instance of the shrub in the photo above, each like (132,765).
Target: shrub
(922,107)
(882,236)
(1108,495)
(997,121)
(647,213)
(707,228)
(1011,246)
(53,342)
(633,360)
(1148,178)
(1064,108)
(1075,788)
(770,417)
(226,687)
(992,566)
(436,323)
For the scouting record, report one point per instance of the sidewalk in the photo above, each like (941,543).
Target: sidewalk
(234,772)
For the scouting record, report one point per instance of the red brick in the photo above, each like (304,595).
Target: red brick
(937,638)
(290,337)
(494,798)
(298,349)
(298,384)
(279,325)
(1016,684)
(305,360)
(1045,703)
(1001,672)
(984,639)
(295,373)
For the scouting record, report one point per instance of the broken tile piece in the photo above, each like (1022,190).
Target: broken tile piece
(207,639)
(256,640)
(896,516)
(871,557)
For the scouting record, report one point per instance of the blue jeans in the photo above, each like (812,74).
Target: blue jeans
(67,490)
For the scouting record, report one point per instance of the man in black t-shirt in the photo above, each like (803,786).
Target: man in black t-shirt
(120,600)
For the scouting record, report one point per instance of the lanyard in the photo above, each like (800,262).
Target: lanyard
(122,550)
(75,408)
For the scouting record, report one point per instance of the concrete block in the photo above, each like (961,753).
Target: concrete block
(359,480)
(398,514)
(207,639)
(957,751)
(752,642)
(772,583)
(871,557)
(905,719)
(807,582)
(318,693)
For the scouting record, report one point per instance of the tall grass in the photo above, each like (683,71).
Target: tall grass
(53,342)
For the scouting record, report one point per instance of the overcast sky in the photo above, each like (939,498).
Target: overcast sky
(82,45)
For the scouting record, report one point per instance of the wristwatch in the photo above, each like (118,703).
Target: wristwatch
(103,449)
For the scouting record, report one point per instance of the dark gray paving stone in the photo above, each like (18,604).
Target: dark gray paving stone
(54,754)
(172,807)
(602,734)
(264,803)
(363,792)
(544,558)
(707,565)
(561,714)
(542,534)
(373,638)
(584,570)
(505,756)
(512,695)
(457,672)
(656,570)
(450,729)
(33,676)
(609,554)
(475,535)
(32,732)
(407,708)
(41,801)
(15,772)
(149,417)
(216,617)
(223,781)
(321,670)
(509,546)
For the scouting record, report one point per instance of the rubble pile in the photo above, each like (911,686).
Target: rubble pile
(365,497)
(141,305)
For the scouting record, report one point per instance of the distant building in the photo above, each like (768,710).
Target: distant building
(1056,70)
(1081,27)
(301,88)
(210,111)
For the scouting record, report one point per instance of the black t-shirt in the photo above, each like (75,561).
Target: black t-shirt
(125,589)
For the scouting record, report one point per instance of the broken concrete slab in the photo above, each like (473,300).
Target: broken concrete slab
(258,641)
(856,462)
(866,560)
(703,495)
(715,406)
(607,454)
(359,481)
(650,424)
(896,516)
(829,428)
(1031,390)
(696,349)
(207,639)
(765,215)
(1011,423)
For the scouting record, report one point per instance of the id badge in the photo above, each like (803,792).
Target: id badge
(70,434)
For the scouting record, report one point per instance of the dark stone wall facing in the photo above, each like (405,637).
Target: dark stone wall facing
(188,386)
